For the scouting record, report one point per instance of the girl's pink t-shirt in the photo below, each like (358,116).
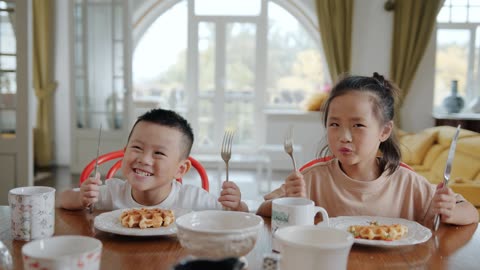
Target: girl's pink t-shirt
(403,194)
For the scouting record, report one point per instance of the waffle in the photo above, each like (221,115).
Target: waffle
(147,218)
(379,232)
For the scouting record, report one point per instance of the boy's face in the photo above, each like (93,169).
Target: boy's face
(153,158)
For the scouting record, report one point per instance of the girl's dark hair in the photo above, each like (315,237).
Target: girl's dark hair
(385,93)
(170,119)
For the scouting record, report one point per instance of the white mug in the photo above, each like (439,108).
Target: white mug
(310,247)
(32,212)
(290,211)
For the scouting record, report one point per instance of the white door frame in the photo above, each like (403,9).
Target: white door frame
(16,154)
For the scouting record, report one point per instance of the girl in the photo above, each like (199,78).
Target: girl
(359,123)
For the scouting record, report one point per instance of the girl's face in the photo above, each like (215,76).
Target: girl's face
(153,159)
(354,132)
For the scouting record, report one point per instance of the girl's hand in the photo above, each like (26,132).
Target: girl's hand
(295,185)
(89,190)
(231,197)
(443,203)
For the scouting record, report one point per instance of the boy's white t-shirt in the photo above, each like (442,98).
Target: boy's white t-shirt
(117,194)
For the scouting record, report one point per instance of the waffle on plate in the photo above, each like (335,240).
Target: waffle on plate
(147,218)
(376,231)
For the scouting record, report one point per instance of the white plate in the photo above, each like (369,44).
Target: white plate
(110,222)
(416,232)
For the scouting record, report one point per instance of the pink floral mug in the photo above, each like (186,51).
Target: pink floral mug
(32,212)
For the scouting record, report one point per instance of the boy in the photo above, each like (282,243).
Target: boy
(156,153)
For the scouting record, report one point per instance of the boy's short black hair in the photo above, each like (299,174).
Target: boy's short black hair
(171,119)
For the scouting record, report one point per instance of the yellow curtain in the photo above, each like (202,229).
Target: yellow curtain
(414,22)
(43,13)
(335,21)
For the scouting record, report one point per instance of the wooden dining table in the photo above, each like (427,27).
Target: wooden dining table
(451,247)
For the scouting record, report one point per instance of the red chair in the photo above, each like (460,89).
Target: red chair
(327,158)
(87,171)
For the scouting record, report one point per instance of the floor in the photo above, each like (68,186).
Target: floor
(252,188)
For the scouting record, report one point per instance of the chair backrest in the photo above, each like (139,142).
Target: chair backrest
(87,171)
(327,158)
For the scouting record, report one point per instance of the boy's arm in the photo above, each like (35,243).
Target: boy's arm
(242,207)
(231,197)
(71,200)
(77,199)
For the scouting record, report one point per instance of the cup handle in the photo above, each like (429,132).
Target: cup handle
(324,213)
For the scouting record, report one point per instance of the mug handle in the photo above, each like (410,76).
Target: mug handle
(324,213)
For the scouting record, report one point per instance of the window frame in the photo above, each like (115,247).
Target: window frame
(472,80)
(146,15)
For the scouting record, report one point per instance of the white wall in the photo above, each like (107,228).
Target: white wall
(371,44)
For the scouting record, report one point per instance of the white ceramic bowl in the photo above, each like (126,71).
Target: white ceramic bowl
(218,234)
(63,252)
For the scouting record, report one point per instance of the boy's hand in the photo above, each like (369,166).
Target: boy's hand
(231,197)
(295,185)
(89,190)
(443,203)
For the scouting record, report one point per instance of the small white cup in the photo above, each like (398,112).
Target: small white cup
(294,211)
(32,212)
(310,247)
(64,252)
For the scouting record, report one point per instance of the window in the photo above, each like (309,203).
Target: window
(458,50)
(224,63)
(8,68)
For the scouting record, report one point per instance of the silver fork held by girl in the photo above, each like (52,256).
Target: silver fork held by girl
(446,173)
(226,151)
(288,145)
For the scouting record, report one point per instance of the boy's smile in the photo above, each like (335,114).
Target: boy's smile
(141,172)
(152,160)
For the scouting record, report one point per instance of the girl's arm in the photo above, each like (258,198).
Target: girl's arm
(452,211)
(265,209)
(464,213)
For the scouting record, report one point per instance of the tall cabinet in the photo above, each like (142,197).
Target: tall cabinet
(101,77)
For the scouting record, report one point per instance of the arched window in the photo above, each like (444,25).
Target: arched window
(223,62)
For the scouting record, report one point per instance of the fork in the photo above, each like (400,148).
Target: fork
(91,207)
(288,145)
(226,151)
(448,169)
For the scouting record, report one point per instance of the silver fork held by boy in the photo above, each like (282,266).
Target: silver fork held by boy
(92,206)
(446,173)
(288,145)
(226,151)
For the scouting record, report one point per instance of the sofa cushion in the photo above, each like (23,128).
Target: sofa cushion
(432,155)
(469,191)
(414,147)
(470,145)
(445,134)
(462,166)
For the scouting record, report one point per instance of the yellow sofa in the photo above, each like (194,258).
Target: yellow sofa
(426,152)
